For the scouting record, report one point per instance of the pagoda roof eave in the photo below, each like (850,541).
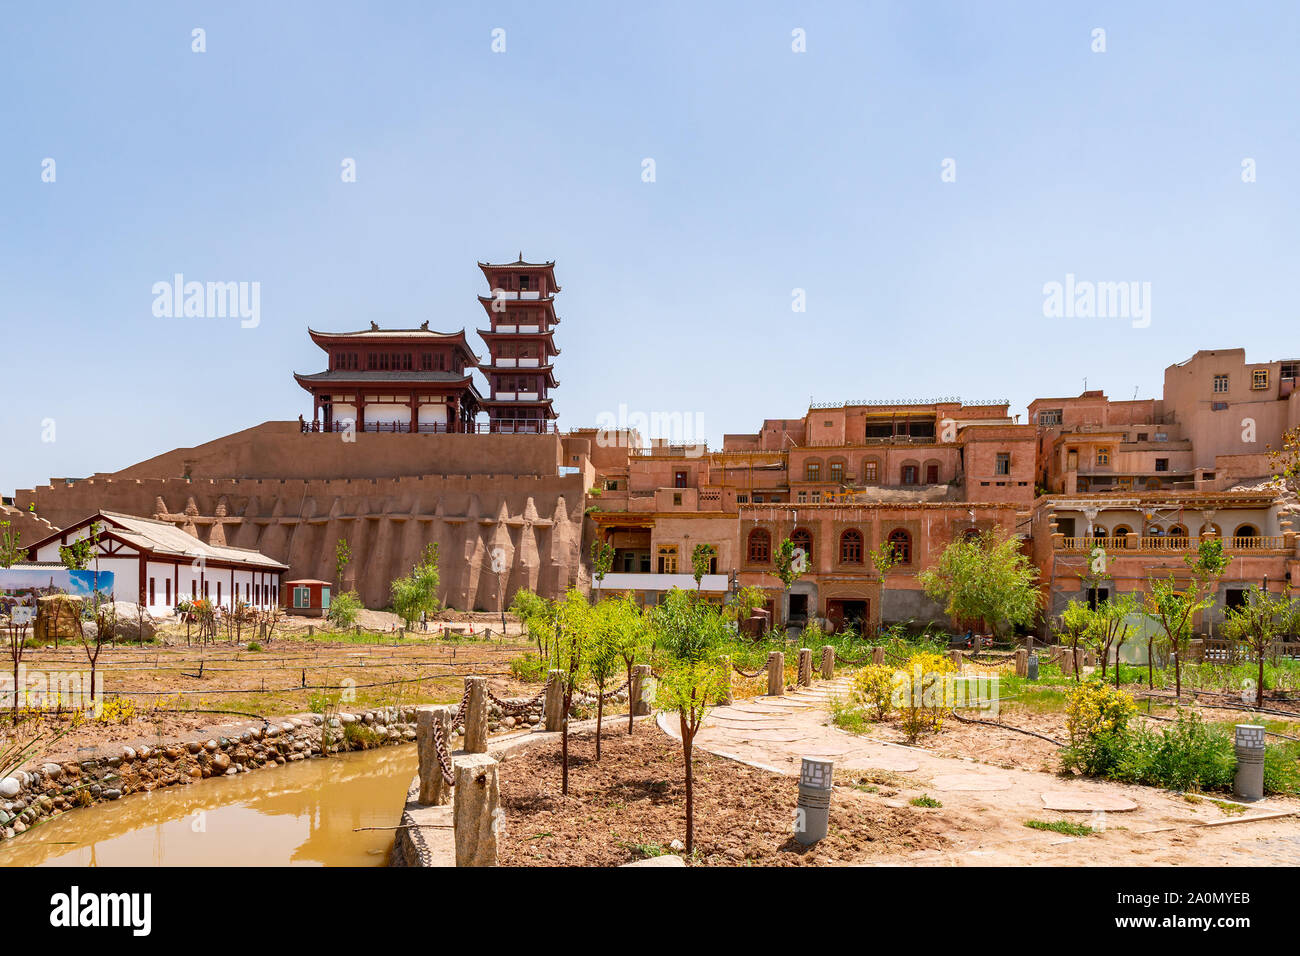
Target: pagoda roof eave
(349,379)
(548,267)
(404,336)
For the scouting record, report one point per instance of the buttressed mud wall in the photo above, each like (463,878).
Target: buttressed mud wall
(488,501)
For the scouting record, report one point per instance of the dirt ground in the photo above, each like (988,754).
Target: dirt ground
(177,689)
(985,807)
(632,805)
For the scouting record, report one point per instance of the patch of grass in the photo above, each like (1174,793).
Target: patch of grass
(254,647)
(360,737)
(850,718)
(1231,809)
(1060,826)
(644,851)
(925,800)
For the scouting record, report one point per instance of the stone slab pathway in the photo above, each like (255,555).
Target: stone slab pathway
(985,807)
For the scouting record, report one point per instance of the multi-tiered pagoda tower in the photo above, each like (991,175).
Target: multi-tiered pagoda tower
(521,345)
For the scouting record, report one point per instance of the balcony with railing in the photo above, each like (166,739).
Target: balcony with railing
(1167,543)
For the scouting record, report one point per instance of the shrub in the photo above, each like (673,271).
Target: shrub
(920,693)
(254,646)
(344,609)
(1187,755)
(1282,769)
(1096,717)
(872,686)
(360,737)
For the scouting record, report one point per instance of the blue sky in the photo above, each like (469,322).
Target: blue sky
(775,171)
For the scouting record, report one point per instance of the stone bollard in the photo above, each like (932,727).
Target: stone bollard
(726,697)
(775,674)
(476,718)
(828,662)
(1022,663)
(433,789)
(1248,784)
(805,667)
(955,657)
(1067,663)
(878,655)
(814,809)
(553,706)
(639,697)
(476,810)
(1031,667)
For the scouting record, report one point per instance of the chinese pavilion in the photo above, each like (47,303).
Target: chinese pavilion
(398,380)
(521,345)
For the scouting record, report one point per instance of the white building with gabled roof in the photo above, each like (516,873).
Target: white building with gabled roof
(157,564)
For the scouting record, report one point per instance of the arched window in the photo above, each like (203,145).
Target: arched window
(760,546)
(1178,531)
(1211,529)
(851,547)
(812,471)
(802,538)
(871,471)
(1099,531)
(909,474)
(902,542)
(1247,531)
(837,470)
(1122,531)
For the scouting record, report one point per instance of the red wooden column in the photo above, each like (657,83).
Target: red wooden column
(415,413)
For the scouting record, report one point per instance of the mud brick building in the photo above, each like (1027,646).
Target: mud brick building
(405,447)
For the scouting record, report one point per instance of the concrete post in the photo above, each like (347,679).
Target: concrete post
(828,662)
(724,662)
(775,674)
(1022,663)
(476,722)
(433,789)
(553,706)
(476,810)
(813,814)
(878,655)
(805,667)
(1248,784)
(638,698)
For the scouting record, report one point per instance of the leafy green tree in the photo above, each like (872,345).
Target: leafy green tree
(571,657)
(985,578)
(604,655)
(1174,607)
(1110,627)
(628,634)
(11,549)
(882,560)
(1076,622)
(342,557)
(418,592)
(78,555)
(688,632)
(537,616)
(791,563)
(602,559)
(1256,624)
(701,559)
